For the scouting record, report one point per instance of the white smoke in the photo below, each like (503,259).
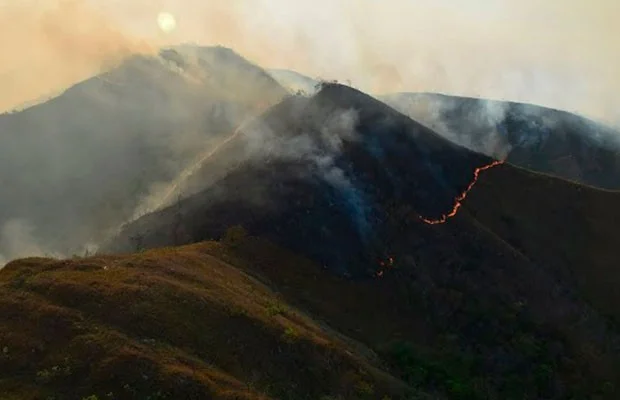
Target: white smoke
(18,240)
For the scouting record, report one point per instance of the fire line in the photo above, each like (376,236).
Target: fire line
(459,199)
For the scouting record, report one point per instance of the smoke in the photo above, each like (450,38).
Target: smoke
(475,128)
(558,53)
(17,239)
(47,45)
(80,165)
(319,148)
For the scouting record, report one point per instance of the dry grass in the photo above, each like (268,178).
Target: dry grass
(168,323)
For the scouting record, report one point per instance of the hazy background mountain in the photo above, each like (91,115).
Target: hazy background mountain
(534,137)
(79,165)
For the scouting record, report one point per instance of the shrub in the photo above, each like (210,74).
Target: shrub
(290,334)
(274,309)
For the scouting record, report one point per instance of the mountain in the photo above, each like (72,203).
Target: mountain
(534,137)
(468,278)
(84,162)
(339,156)
(294,81)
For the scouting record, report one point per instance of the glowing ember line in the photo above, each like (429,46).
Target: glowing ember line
(459,199)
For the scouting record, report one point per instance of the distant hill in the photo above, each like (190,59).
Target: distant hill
(534,137)
(513,297)
(80,164)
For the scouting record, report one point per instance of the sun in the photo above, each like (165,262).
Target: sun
(166,22)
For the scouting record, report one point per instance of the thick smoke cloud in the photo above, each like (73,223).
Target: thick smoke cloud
(559,53)
(48,45)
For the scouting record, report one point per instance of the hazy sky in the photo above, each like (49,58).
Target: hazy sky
(561,53)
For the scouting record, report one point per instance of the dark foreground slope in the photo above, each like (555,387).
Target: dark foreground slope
(534,137)
(82,162)
(244,319)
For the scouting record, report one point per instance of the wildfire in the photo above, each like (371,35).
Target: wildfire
(459,199)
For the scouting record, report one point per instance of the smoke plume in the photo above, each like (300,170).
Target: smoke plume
(17,239)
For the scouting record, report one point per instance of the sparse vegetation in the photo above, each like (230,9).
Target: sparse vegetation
(290,334)
(276,308)
(179,335)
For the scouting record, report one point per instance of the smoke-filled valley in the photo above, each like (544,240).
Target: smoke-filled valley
(195,222)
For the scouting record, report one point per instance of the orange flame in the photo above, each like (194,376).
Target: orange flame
(459,199)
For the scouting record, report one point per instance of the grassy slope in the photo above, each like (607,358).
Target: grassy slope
(224,320)
(168,323)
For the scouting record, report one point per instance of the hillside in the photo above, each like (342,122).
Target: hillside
(88,158)
(534,137)
(170,324)
(513,297)
(316,175)
(244,319)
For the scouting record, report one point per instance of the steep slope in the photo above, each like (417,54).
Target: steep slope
(502,300)
(169,324)
(245,319)
(537,138)
(570,229)
(458,311)
(340,156)
(82,162)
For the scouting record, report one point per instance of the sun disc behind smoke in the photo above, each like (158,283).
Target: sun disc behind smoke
(166,21)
